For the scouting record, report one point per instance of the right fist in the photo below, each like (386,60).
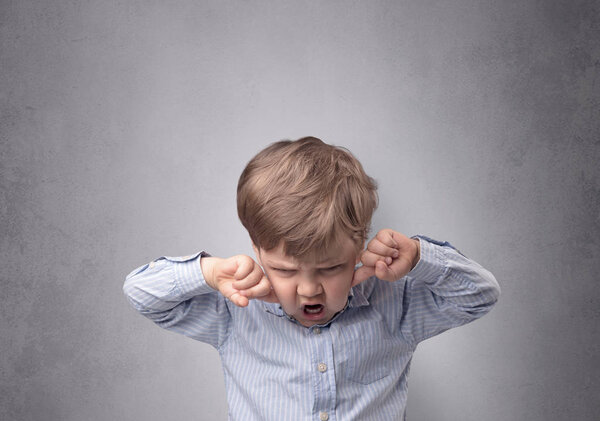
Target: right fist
(238,278)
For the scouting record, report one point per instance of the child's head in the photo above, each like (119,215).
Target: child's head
(305,195)
(307,206)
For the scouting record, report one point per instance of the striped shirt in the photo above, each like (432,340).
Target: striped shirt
(354,367)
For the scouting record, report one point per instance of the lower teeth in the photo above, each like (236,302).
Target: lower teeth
(312,310)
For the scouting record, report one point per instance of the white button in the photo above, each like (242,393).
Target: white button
(322,367)
(323,416)
(317,330)
(151,265)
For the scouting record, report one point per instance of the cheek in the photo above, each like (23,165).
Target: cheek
(284,290)
(340,285)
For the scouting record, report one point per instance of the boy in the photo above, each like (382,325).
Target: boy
(302,331)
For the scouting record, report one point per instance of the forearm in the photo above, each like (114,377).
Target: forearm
(173,293)
(445,290)
(165,282)
(455,279)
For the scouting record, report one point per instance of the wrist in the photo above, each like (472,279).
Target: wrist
(207,265)
(417,252)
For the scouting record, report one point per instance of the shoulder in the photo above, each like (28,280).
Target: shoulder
(257,315)
(375,290)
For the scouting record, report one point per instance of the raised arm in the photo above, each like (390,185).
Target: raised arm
(444,290)
(174,294)
(435,286)
(191,295)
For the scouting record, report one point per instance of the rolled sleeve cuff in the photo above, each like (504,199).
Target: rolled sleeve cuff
(432,261)
(189,279)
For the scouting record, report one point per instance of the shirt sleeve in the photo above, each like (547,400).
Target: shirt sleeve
(444,290)
(172,292)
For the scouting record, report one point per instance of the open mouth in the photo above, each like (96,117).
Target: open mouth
(313,309)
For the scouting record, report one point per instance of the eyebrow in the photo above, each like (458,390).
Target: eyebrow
(330,265)
(332,261)
(320,265)
(281,265)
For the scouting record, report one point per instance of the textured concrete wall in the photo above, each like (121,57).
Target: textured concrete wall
(125,124)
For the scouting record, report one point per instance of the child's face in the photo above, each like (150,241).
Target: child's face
(312,291)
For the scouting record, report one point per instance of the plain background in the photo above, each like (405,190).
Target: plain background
(125,125)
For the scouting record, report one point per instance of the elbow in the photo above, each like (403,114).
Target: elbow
(494,289)
(128,288)
(486,295)
(132,292)
(489,292)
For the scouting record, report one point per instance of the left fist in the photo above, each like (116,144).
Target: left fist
(389,256)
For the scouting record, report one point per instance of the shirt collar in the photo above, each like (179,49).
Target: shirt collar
(358,295)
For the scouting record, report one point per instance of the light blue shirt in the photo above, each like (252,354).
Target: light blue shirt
(355,367)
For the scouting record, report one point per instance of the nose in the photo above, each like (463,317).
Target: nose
(309,287)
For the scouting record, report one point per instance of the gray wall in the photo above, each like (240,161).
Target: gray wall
(125,124)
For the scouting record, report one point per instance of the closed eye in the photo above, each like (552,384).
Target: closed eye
(281,270)
(332,268)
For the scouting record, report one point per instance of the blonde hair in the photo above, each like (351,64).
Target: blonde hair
(305,193)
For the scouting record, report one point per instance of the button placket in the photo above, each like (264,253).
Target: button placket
(321,350)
